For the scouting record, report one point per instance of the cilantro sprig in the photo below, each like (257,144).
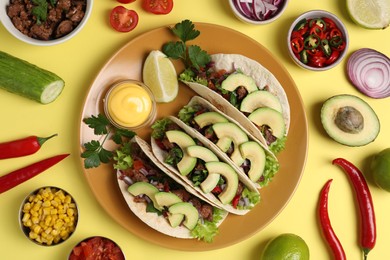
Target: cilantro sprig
(192,55)
(95,153)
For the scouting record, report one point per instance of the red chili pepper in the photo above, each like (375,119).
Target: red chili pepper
(333,57)
(22,147)
(366,206)
(17,177)
(327,230)
(297,44)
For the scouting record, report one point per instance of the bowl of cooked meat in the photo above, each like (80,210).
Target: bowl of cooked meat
(44,22)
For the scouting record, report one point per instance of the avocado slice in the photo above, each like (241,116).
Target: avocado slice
(209,118)
(234,132)
(147,189)
(202,153)
(236,80)
(205,155)
(224,143)
(167,199)
(183,140)
(190,213)
(349,120)
(260,98)
(231,177)
(255,154)
(270,117)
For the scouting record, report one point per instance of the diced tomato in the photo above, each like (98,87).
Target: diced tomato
(138,164)
(235,201)
(158,6)
(97,248)
(123,19)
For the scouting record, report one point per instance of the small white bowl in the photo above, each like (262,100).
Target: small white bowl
(314,14)
(7,23)
(240,15)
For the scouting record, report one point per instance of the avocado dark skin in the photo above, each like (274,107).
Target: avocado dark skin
(349,120)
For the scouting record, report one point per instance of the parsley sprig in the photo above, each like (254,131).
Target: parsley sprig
(192,55)
(95,153)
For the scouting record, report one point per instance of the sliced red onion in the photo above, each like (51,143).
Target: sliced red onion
(369,72)
(258,10)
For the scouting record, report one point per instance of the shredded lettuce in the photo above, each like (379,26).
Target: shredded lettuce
(207,230)
(159,128)
(271,168)
(122,158)
(186,114)
(279,145)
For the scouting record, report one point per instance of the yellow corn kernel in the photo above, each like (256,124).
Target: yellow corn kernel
(64,234)
(57,239)
(35,220)
(48,220)
(32,235)
(70,212)
(46,211)
(46,204)
(54,202)
(26,216)
(54,232)
(53,211)
(27,207)
(36,229)
(28,223)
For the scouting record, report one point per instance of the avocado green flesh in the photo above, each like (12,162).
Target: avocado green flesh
(256,155)
(202,153)
(231,177)
(190,213)
(145,188)
(210,182)
(270,117)
(183,140)
(224,143)
(209,118)
(260,98)
(370,121)
(236,134)
(236,80)
(167,199)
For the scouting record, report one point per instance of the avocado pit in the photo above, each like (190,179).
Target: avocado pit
(349,120)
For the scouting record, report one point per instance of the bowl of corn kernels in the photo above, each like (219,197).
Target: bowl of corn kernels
(48,216)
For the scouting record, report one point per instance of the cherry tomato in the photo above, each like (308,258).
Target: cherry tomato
(122,19)
(125,1)
(158,6)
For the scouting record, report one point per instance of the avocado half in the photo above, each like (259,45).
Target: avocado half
(349,120)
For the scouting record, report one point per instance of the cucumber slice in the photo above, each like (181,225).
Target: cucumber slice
(28,80)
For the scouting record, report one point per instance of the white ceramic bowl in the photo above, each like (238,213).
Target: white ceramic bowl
(315,14)
(7,23)
(239,14)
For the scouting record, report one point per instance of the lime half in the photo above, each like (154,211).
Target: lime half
(371,14)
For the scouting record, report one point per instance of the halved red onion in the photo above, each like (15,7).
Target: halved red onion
(369,72)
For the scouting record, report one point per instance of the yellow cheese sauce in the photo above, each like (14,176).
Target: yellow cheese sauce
(129,105)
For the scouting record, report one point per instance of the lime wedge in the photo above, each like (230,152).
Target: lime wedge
(160,76)
(371,14)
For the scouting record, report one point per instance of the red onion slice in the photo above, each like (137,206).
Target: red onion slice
(258,10)
(369,72)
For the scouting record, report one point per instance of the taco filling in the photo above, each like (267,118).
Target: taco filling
(261,107)
(201,169)
(259,165)
(151,186)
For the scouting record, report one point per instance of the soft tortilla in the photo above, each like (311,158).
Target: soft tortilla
(204,103)
(262,76)
(154,221)
(161,155)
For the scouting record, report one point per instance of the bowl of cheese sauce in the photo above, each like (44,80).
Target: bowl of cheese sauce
(129,104)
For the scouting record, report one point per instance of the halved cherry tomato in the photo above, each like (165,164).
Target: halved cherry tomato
(122,19)
(158,6)
(125,1)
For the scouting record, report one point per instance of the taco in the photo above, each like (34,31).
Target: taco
(222,132)
(162,200)
(246,91)
(181,149)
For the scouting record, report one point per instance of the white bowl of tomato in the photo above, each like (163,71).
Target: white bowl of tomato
(96,247)
(45,23)
(317,40)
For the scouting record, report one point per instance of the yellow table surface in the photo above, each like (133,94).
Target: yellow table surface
(79,60)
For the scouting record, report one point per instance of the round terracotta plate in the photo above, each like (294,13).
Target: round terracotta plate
(127,64)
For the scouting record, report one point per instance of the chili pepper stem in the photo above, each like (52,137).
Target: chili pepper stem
(41,140)
(365,252)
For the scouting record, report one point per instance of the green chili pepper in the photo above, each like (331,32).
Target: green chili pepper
(303,56)
(318,22)
(336,41)
(311,42)
(300,25)
(325,47)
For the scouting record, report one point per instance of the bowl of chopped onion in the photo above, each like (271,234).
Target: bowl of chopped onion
(48,216)
(258,11)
